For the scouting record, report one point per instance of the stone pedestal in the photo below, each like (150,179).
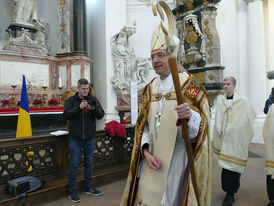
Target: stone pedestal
(15,29)
(25,50)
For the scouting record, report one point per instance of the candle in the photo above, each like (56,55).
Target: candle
(13,79)
(60,82)
(124,120)
(45,83)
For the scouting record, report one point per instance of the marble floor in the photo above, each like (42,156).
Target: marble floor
(252,191)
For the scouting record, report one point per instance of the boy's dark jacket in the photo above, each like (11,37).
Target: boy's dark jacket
(82,120)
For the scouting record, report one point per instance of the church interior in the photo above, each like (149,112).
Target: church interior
(54,43)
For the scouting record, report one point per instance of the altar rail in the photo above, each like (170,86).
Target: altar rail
(47,157)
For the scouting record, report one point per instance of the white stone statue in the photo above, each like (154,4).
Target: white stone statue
(23,39)
(127,67)
(23,11)
(41,35)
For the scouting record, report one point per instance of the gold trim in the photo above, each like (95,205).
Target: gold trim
(157,97)
(270,166)
(218,152)
(233,162)
(234,158)
(200,77)
(157,38)
(269,161)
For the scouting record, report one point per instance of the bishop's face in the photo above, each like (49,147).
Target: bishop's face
(160,63)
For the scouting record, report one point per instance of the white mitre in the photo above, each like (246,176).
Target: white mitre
(158,40)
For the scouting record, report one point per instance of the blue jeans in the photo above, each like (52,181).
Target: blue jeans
(75,148)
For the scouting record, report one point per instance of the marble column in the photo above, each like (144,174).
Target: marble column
(256,54)
(79,26)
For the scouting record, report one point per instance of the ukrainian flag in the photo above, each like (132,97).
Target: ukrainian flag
(24,124)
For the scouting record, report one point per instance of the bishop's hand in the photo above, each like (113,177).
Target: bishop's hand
(183,111)
(152,161)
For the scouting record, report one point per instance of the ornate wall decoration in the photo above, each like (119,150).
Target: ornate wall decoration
(63,13)
(199,42)
(192,46)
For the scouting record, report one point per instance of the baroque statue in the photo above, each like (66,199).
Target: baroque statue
(23,12)
(42,32)
(127,67)
(27,30)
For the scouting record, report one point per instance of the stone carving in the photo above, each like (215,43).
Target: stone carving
(27,30)
(23,38)
(23,11)
(41,35)
(189,54)
(127,66)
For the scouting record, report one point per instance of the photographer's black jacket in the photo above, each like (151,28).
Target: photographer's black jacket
(82,122)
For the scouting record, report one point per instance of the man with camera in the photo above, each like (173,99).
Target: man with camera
(82,110)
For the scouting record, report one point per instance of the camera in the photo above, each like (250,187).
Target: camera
(91,100)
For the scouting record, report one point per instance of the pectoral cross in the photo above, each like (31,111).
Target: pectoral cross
(157,122)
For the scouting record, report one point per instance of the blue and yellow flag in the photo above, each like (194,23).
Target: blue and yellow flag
(24,124)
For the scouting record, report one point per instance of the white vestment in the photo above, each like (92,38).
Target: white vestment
(179,158)
(233,131)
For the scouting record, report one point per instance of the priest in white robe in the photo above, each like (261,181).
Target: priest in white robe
(233,131)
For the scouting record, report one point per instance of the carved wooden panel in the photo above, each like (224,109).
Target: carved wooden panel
(47,156)
(34,159)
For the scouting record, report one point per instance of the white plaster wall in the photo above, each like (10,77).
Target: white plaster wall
(227,25)
(48,11)
(89,7)
(108,18)
(6,12)
(269,40)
